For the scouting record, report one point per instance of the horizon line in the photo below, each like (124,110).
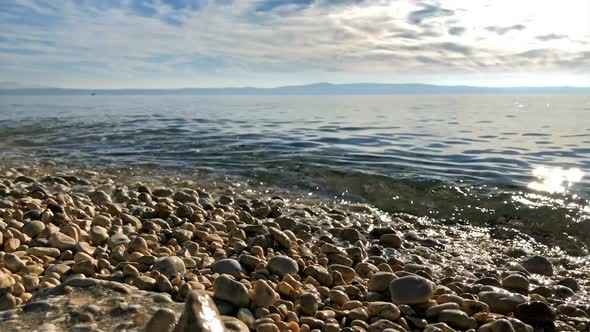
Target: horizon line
(305,85)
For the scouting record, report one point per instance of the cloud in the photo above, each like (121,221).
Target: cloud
(270,5)
(455,48)
(257,42)
(504,30)
(457,31)
(551,36)
(428,11)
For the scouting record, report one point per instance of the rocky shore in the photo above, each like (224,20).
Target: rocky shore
(89,251)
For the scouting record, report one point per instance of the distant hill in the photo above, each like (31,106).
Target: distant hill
(311,89)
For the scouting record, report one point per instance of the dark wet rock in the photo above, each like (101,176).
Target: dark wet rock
(39,306)
(561,292)
(351,234)
(390,241)
(570,283)
(539,265)
(535,312)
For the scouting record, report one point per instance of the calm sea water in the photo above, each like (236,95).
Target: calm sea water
(521,161)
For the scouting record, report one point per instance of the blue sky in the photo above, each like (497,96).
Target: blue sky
(215,43)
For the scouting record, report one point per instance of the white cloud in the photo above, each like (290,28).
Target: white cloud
(232,44)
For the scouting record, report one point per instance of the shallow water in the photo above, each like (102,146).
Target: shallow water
(521,161)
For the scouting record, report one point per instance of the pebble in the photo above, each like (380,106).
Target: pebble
(280,237)
(264,295)
(500,301)
(267,327)
(33,228)
(385,310)
(320,274)
(138,244)
(144,282)
(457,318)
(380,281)
(498,325)
(228,266)
(44,251)
(13,263)
(516,281)
(308,304)
(274,264)
(390,241)
(169,266)
(118,239)
(62,241)
(282,265)
(348,273)
(200,314)
(232,324)
(433,311)
(231,291)
(411,290)
(247,317)
(7,302)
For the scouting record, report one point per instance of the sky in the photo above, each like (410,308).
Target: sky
(268,43)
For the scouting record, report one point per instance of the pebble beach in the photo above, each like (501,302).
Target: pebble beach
(89,250)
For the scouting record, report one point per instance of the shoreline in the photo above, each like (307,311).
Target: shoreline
(342,266)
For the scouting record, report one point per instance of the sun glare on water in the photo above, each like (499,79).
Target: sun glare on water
(555,180)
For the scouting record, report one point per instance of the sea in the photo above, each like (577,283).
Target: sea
(519,162)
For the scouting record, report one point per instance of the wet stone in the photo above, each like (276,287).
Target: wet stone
(170,265)
(535,312)
(228,266)
(116,240)
(411,290)
(282,265)
(515,281)
(200,314)
(538,265)
(502,302)
(264,295)
(390,241)
(308,303)
(380,281)
(457,318)
(231,291)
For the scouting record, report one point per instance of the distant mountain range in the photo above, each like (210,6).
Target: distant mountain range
(310,89)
